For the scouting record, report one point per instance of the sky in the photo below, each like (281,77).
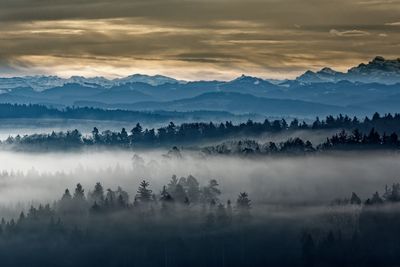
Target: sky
(194,39)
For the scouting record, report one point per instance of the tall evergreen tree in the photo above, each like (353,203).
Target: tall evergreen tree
(144,194)
(193,189)
(172,184)
(98,194)
(67,195)
(211,192)
(179,194)
(355,200)
(79,193)
(243,205)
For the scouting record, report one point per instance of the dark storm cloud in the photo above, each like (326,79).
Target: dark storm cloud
(184,37)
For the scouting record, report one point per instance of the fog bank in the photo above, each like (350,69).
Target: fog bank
(26,177)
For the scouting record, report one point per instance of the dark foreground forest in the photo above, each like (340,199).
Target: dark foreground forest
(188,224)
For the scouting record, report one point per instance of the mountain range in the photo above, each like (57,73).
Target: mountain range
(366,88)
(40,83)
(378,70)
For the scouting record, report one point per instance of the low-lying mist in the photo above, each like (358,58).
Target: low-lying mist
(317,179)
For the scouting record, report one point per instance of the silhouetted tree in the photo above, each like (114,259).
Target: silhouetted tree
(193,189)
(179,194)
(243,205)
(355,200)
(79,193)
(376,199)
(144,194)
(172,184)
(98,194)
(211,192)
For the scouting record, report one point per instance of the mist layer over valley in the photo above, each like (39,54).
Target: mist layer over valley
(312,180)
(293,177)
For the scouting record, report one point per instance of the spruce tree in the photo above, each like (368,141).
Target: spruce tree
(79,192)
(355,200)
(144,194)
(243,205)
(98,194)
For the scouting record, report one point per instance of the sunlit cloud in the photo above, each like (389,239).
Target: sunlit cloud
(350,33)
(393,23)
(184,38)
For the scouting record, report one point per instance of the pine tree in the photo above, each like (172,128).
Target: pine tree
(67,195)
(79,193)
(123,194)
(172,184)
(394,195)
(179,194)
(243,205)
(95,135)
(211,192)
(165,196)
(355,200)
(79,204)
(32,213)
(21,218)
(98,194)
(123,137)
(376,199)
(111,198)
(121,202)
(144,194)
(137,133)
(65,203)
(193,189)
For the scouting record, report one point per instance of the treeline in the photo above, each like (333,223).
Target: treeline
(296,146)
(191,133)
(198,131)
(357,140)
(34,111)
(391,195)
(386,123)
(339,141)
(292,146)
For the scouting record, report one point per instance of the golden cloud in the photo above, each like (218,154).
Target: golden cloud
(182,38)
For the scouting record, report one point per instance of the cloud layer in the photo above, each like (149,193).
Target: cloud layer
(193,39)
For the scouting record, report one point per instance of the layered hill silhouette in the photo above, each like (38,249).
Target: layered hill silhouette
(374,86)
(236,103)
